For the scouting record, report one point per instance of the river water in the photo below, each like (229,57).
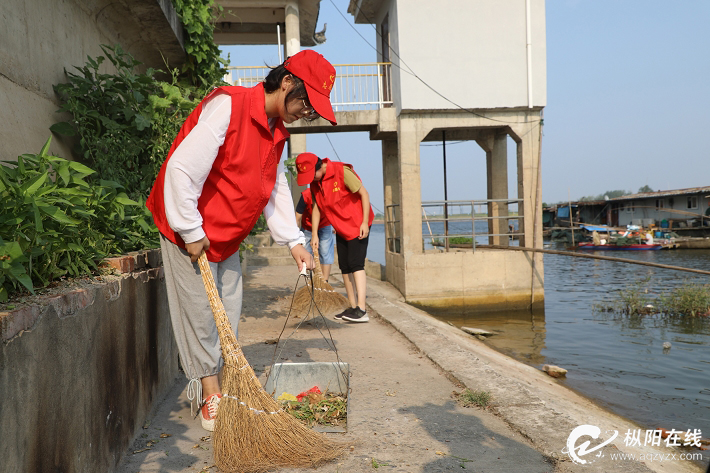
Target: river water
(616,360)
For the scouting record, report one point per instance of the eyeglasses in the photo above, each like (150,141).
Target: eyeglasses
(307,110)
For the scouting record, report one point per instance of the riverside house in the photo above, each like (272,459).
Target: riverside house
(675,209)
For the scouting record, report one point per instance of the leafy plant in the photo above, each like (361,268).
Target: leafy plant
(204,67)
(124,121)
(55,221)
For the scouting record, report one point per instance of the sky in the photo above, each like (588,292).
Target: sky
(628,102)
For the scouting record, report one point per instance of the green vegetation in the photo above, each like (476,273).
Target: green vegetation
(609,194)
(378,463)
(452,241)
(125,122)
(204,67)
(692,300)
(317,408)
(55,221)
(469,398)
(687,300)
(60,218)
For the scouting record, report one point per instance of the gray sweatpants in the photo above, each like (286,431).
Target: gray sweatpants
(190,312)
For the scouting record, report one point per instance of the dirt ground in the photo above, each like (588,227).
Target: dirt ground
(402,417)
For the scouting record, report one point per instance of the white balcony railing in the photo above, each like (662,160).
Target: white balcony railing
(356,87)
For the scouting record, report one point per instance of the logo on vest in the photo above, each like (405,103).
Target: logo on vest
(335,187)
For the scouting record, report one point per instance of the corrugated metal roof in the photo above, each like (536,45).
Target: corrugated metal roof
(647,195)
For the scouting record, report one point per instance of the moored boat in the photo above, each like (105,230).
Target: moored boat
(614,247)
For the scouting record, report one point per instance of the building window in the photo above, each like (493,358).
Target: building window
(629,207)
(693,202)
(659,204)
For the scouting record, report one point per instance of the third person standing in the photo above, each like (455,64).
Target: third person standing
(340,194)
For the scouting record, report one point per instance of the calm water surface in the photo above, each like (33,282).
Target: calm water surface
(616,360)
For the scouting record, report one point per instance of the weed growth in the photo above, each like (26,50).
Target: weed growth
(689,299)
(469,398)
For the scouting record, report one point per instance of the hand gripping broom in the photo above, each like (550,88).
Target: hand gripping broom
(318,294)
(252,432)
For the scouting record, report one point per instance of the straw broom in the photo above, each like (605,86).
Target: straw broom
(323,295)
(252,432)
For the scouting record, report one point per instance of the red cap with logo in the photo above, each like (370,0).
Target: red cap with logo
(318,75)
(306,167)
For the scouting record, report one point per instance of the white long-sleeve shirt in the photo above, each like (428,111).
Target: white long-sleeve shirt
(190,164)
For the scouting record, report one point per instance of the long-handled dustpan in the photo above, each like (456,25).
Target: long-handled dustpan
(252,432)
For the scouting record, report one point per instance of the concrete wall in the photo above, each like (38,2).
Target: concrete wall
(483,280)
(473,52)
(80,372)
(39,39)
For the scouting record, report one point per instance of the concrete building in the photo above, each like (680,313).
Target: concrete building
(39,39)
(472,70)
(464,70)
(291,23)
(679,208)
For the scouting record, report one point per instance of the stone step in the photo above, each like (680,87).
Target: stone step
(262,239)
(268,251)
(270,261)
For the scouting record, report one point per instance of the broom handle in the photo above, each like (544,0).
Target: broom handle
(227,339)
(316,258)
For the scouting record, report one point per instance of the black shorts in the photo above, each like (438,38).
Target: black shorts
(351,253)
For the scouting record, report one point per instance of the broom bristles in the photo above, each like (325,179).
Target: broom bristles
(319,293)
(252,432)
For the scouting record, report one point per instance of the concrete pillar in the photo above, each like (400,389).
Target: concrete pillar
(527,136)
(495,144)
(394,268)
(296,146)
(296,143)
(293,30)
(390,179)
(410,187)
(497,167)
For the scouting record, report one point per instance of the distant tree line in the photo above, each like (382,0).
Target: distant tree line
(607,195)
(615,193)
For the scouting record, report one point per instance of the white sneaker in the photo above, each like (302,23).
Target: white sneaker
(209,411)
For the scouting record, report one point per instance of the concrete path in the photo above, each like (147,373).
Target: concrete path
(403,418)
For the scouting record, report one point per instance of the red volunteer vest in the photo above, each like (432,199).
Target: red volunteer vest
(343,208)
(306,218)
(242,177)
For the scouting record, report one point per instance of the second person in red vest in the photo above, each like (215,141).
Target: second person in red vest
(340,195)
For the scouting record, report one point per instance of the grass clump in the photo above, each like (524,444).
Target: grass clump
(468,398)
(692,300)
(689,299)
(378,463)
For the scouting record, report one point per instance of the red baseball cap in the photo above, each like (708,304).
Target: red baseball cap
(318,75)
(306,167)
